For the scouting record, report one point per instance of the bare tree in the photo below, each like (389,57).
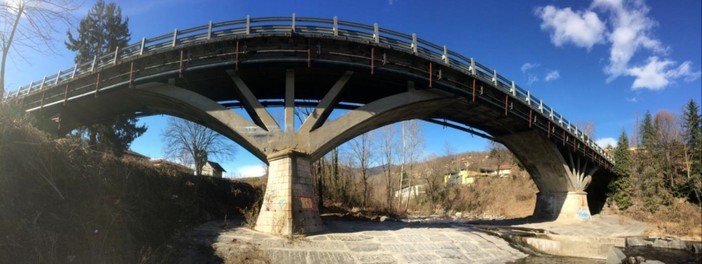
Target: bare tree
(388,146)
(412,148)
(194,144)
(499,153)
(433,172)
(362,153)
(670,143)
(587,127)
(31,24)
(452,163)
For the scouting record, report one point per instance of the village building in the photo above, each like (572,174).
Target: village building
(503,171)
(462,177)
(213,169)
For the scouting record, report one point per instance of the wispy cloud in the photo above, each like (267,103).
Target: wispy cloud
(528,66)
(632,99)
(532,78)
(552,76)
(627,30)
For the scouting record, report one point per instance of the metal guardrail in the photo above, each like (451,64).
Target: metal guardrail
(250,27)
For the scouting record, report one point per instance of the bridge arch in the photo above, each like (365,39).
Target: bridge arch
(387,78)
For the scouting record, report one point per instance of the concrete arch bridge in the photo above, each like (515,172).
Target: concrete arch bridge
(380,76)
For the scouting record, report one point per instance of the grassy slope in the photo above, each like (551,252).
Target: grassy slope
(62,203)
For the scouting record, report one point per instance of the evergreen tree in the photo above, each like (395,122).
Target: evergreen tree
(648,132)
(620,188)
(692,133)
(100,32)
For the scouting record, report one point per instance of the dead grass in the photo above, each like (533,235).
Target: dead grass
(248,254)
(488,197)
(681,219)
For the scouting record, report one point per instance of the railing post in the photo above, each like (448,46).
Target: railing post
(143,43)
(92,68)
(20,89)
(75,69)
(175,37)
(116,56)
(209,30)
(248,24)
(376,33)
(541,106)
(550,115)
(58,75)
(40,86)
(445,57)
(335,27)
(513,90)
(528,98)
(494,77)
(472,66)
(293,22)
(414,43)
(28,88)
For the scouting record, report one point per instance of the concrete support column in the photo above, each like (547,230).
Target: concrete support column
(290,203)
(562,206)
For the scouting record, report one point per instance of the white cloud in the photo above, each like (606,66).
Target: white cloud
(552,76)
(528,66)
(657,74)
(582,29)
(251,171)
(632,99)
(627,30)
(608,141)
(631,31)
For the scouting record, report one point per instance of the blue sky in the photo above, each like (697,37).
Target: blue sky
(604,61)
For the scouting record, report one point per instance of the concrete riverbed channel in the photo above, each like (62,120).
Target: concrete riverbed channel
(601,240)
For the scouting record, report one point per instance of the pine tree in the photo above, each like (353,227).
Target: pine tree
(692,133)
(100,32)
(620,188)
(648,132)
(649,166)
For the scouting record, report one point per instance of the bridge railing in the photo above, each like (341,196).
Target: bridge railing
(249,27)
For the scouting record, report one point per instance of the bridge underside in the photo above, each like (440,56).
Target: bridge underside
(401,88)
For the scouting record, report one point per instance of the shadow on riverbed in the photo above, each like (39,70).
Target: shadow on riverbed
(334,223)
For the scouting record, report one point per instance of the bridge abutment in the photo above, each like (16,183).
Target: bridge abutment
(290,203)
(562,206)
(561,179)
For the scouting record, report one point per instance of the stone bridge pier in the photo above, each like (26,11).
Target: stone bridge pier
(561,181)
(290,202)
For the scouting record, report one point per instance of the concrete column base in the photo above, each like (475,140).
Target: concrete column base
(562,207)
(290,203)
